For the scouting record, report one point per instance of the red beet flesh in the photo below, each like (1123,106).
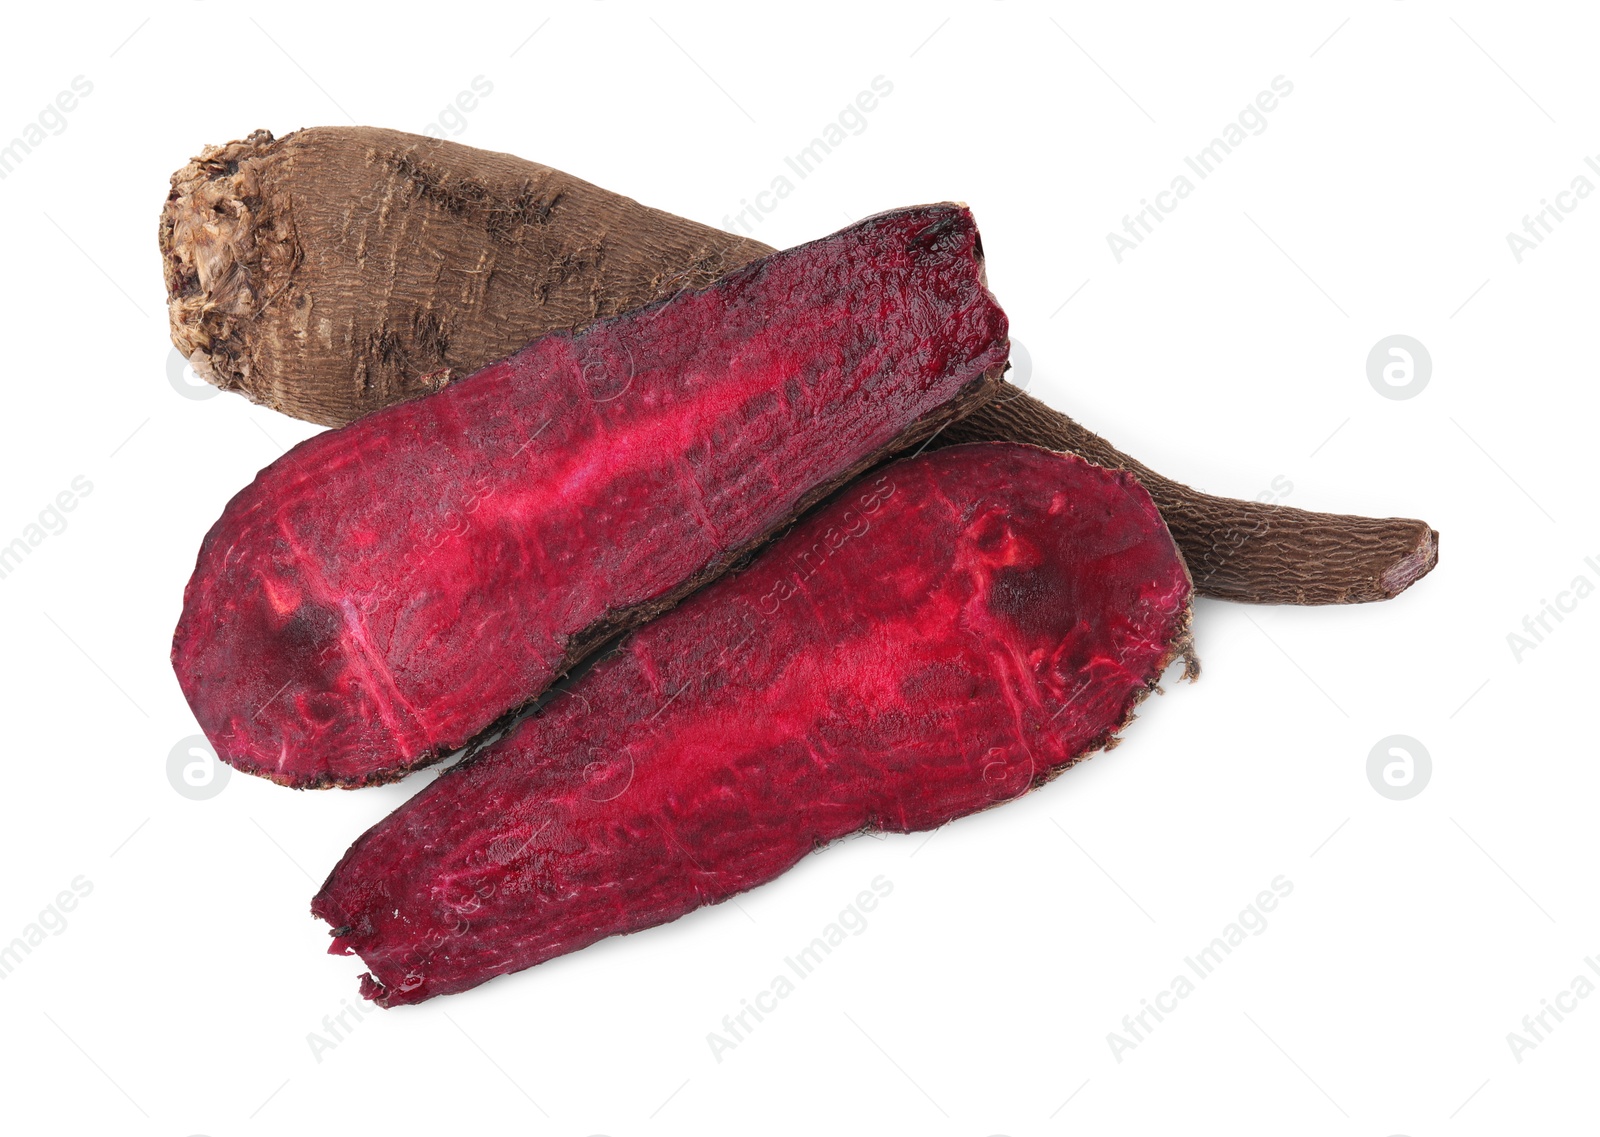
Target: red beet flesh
(385,592)
(943,635)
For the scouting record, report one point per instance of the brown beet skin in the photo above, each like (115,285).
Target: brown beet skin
(945,634)
(385,592)
(475,252)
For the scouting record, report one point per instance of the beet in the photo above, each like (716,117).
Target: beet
(946,634)
(475,252)
(386,592)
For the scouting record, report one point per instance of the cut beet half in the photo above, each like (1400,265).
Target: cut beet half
(944,635)
(385,592)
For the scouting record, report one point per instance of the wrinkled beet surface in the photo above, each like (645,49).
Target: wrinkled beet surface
(943,635)
(384,592)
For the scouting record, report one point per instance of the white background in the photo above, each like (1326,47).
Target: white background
(1228,350)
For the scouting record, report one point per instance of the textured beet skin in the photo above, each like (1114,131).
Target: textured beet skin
(943,635)
(385,592)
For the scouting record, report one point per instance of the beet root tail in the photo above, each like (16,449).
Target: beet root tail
(1246,551)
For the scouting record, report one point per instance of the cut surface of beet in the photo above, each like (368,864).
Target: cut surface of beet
(943,635)
(385,592)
